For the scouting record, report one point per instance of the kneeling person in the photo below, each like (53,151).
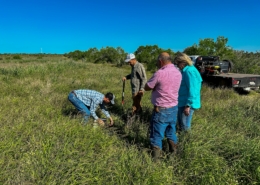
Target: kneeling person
(87,101)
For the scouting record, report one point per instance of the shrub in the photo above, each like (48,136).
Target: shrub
(17,57)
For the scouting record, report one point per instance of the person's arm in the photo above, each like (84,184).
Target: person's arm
(111,121)
(147,88)
(150,85)
(104,110)
(93,107)
(128,76)
(143,78)
(190,82)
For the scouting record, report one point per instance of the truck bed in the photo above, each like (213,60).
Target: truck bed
(236,75)
(235,80)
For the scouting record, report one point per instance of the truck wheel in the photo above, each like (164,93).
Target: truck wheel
(223,83)
(242,91)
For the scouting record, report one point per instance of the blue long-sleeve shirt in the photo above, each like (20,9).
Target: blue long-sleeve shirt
(189,92)
(92,99)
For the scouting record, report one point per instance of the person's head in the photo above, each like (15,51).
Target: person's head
(130,59)
(182,60)
(163,59)
(109,98)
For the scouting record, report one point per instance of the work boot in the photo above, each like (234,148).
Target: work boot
(139,111)
(172,147)
(156,153)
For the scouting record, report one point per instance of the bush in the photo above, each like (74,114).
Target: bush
(17,57)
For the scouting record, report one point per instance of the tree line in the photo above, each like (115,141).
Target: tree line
(244,62)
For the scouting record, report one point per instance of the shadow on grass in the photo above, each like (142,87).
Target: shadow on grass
(69,110)
(239,91)
(132,129)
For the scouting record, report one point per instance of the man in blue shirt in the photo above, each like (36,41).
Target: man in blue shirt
(87,101)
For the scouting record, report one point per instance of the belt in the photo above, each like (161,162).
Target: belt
(157,108)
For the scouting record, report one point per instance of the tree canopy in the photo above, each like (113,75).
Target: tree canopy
(148,54)
(244,62)
(208,46)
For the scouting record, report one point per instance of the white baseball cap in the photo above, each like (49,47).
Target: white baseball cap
(129,57)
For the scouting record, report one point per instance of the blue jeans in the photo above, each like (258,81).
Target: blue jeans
(163,122)
(184,122)
(80,106)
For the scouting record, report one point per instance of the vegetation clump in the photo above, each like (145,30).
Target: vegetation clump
(17,57)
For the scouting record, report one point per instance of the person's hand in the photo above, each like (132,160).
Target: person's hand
(141,93)
(111,122)
(100,122)
(124,79)
(186,111)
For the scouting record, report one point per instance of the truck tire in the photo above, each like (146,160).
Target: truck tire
(223,83)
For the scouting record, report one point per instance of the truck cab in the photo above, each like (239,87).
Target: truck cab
(211,65)
(193,58)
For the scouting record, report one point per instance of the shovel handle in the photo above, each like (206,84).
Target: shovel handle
(123,92)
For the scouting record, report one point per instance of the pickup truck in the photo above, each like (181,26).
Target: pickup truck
(193,58)
(217,73)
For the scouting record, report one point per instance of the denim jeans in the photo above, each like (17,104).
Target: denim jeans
(163,122)
(80,106)
(184,122)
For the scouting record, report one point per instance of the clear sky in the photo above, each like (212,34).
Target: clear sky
(62,26)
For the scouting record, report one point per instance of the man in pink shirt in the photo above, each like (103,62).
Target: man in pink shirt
(165,84)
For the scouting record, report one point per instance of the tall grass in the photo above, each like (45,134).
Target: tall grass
(42,139)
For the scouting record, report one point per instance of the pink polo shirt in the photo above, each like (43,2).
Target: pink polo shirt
(165,84)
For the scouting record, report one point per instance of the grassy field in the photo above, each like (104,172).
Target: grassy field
(42,139)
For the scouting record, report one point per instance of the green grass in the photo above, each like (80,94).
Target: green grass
(42,139)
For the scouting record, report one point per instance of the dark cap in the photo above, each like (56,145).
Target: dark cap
(111,97)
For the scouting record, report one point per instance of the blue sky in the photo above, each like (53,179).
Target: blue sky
(62,26)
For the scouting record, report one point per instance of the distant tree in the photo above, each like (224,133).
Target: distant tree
(192,50)
(246,62)
(121,56)
(111,55)
(148,55)
(76,55)
(17,57)
(222,49)
(104,55)
(206,46)
(209,47)
(91,55)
